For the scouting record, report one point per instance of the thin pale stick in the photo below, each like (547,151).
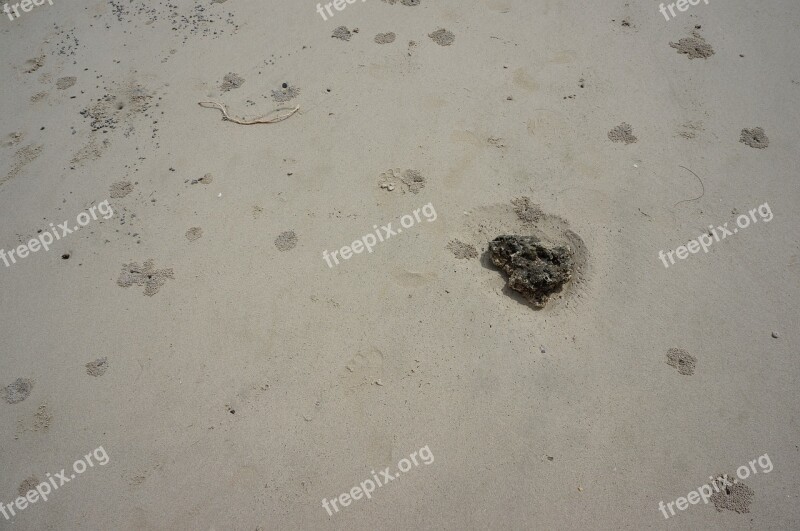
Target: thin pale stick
(226,116)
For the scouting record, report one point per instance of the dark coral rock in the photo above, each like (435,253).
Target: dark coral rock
(534,270)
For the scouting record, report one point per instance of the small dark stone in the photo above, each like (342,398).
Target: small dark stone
(285,85)
(533,269)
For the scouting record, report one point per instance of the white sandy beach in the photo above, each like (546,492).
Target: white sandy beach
(239,379)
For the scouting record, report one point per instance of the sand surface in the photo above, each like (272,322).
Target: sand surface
(195,331)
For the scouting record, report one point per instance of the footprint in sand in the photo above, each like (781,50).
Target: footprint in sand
(365,368)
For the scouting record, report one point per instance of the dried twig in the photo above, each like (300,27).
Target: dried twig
(701,184)
(226,116)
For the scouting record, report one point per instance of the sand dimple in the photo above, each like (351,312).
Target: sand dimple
(442,37)
(461,250)
(384,38)
(342,33)
(120,189)
(146,275)
(14,138)
(64,83)
(97,367)
(389,179)
(32,65)
(28,484)
(736,497)
(622,133)
(681,360)
(286,241)
(18,390)
(194,234)
(283,95)
(755,138)
(695,47)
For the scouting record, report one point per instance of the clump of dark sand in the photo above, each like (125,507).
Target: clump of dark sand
(526,211)
(283,95)
(64,83)
(533,269)
(442,37)
(286,241)
(695,47)
(18,390)
(146,275)
(755,138)
(231,81)
(410,3)
(120,189)
(622,133)
(342,33)
(461,250)
(681,360)
(117,106)
(384,38)
(27,485)
(736,497)
(413,181)
(206,179)
(194,234)
(97,367)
